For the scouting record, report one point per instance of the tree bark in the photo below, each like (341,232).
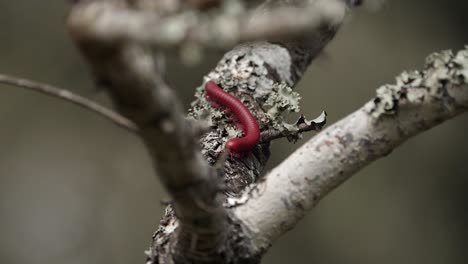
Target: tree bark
(230,213)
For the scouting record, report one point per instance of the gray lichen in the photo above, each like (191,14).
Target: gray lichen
(247,77)
(245,73)
(461,65)
(293,132)
(282,98)
(279,100)
(442,69)
(254,73)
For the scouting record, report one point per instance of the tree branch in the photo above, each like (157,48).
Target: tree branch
(107,23)
(417,102)
(250,71)
(200,230)
(71,98)
(294,132)
(141,95)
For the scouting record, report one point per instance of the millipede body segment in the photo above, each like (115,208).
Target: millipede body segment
(241,115)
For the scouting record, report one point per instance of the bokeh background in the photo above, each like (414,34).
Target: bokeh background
(76,189)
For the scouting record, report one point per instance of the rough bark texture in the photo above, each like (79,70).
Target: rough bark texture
(130,75)
(196,228)
(229,213)
(225,27)
(249,71)
(418,101)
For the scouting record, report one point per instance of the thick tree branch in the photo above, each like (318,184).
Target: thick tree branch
(71,98)
(251,71)
(417,102)
(200,231)
(140,94)
(108,22)
(113,36)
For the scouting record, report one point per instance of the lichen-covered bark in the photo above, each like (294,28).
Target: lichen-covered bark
(209,222)
(250,71)
(130,75)
(418,101)
(114,36)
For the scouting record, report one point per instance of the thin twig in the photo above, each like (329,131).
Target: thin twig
(302,125)
(71,98)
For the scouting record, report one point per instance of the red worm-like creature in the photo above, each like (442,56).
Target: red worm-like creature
(242,116)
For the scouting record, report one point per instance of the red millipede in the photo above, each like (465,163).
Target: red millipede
(242,115)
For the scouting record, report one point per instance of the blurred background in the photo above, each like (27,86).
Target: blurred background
(76,189)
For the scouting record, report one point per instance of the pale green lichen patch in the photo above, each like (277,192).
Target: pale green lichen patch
(409,77)
(282,98)
(461,65)
(442,70)
(202,109)
(439,59)
(232,132)
(246,73)
(386,100)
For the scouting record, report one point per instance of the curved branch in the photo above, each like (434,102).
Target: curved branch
(72,98)
(111,33)
(139,92)
(417,102)
(250,71)
(109,22)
